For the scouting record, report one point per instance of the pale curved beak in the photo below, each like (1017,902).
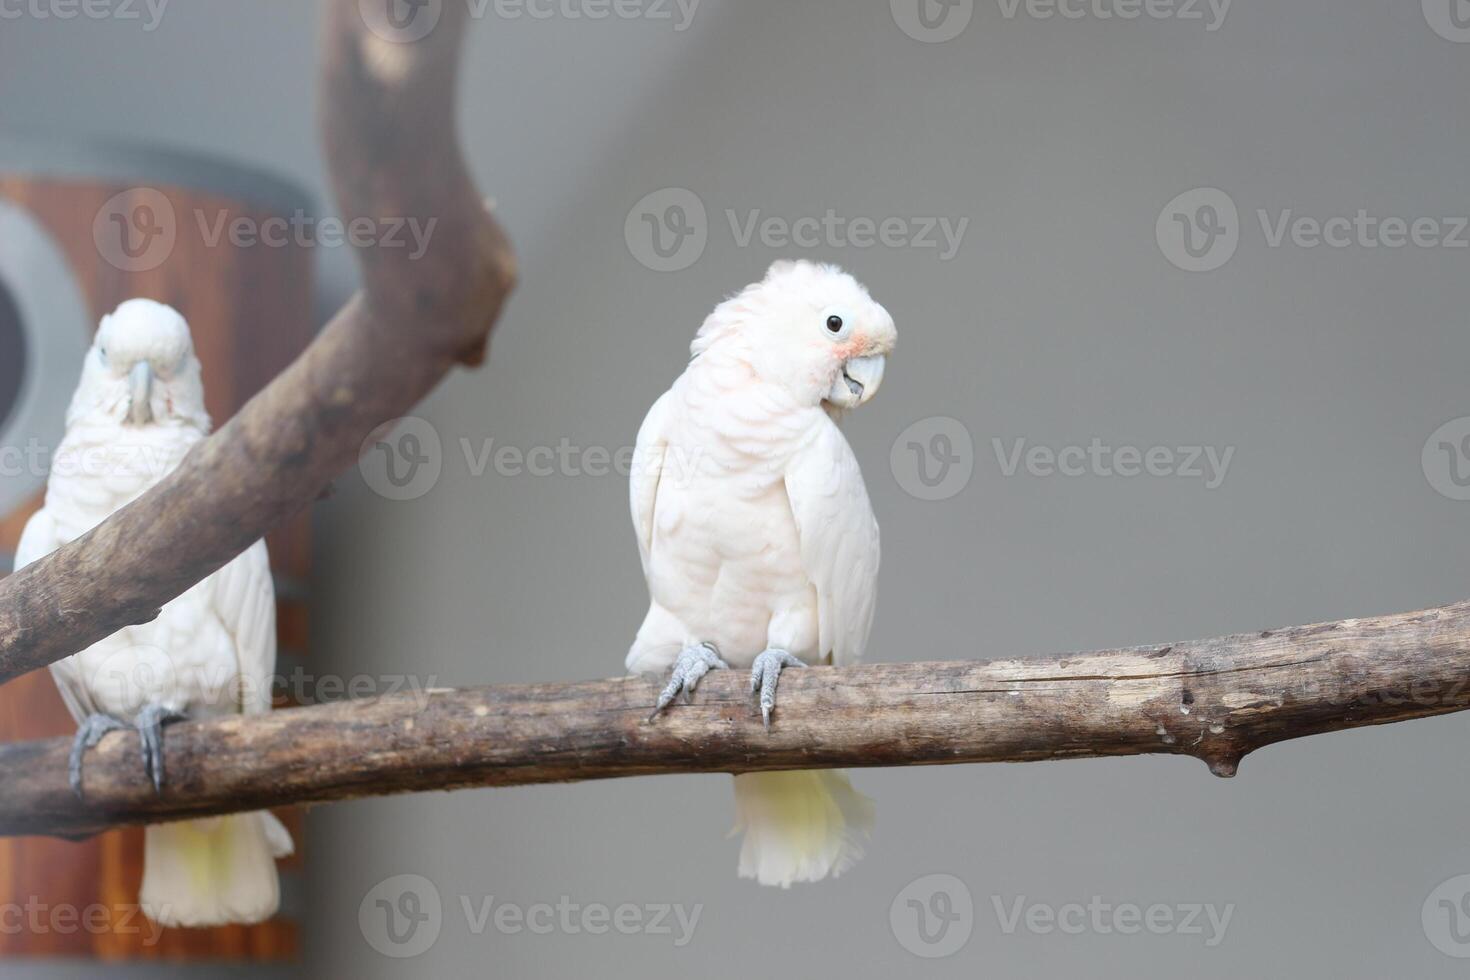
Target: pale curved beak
(858,381)
(140,393)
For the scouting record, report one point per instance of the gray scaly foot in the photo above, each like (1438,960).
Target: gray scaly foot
(88,735)
(693,663)
(150,722)
(765,675)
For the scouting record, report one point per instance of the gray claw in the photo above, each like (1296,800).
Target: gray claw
(89,733)
(693,663)
(150,722)
(765,675)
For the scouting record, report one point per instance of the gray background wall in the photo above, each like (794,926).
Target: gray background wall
(1059,320)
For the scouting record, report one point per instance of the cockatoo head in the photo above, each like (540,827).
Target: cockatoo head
(141,370)
(812,329)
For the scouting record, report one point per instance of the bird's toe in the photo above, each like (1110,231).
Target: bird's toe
(693,663)
(89,733)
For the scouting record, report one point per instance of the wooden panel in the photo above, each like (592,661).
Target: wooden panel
(250,310)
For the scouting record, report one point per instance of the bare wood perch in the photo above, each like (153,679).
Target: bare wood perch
(1215,700)
(387,122)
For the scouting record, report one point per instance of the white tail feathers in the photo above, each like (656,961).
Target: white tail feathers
(214,871)
(800,826)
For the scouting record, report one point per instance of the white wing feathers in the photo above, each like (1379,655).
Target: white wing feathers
(245,601)
(38,540)
(648,460)
(839,541)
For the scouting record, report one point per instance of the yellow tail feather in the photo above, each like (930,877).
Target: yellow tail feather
(800,826)
(215,871)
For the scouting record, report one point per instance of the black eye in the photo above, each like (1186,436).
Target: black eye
(834,323)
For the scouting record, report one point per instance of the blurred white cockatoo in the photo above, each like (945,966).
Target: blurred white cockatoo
(757,538)
(138,410)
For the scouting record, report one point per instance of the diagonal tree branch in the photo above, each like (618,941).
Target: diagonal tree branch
(387,122)
(1215,700)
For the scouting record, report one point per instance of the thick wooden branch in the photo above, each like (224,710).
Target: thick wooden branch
(387,121)
(1215,700)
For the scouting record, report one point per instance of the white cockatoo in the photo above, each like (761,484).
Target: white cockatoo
(757,538)
(138,410)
